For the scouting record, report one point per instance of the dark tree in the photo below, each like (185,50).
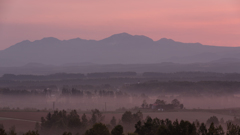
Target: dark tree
(31,133)
(37,126)
(160,102)
(12,131)
(84,120)
(212,130)
(132,134)
(163,130)
(118,130)
(113,122)
(74,119)
(67,133)
(2,131)
(202,129)
(219,130)
(127,117)
(175,102)
(97,116)
(232,129)
(138,116)
(98,129)
(214,120)
(149,127)
(57,120)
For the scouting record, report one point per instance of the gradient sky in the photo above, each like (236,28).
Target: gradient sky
(210,22)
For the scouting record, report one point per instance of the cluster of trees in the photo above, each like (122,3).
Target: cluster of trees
(12,131)
(28,109)
(167,127)
(191,83)
(235,121)
(161,104)
(166,76)
(96,93)
(153,83)
(63,76)
(193,76)
(102,91)
(187,87)
(183,74)
(7,91)
(60,121)
(82,93)
(63,123)
(129,118)
(57,76)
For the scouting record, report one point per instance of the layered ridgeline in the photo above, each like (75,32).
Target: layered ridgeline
(117,49)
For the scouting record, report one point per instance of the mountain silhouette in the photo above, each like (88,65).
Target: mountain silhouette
(120,48)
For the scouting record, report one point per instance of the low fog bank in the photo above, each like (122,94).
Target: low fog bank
(111,91)
(111,103)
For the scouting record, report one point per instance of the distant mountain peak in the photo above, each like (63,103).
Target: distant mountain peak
(166,40)
(75,39)
(124,34)
(125,37)
(49,39)
(119,36)
(25,41)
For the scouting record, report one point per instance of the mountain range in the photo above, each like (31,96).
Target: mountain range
(120,48)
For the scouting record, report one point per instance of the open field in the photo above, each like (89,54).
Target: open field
(32,116)
(25,121)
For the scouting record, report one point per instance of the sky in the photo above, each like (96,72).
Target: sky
(210,22)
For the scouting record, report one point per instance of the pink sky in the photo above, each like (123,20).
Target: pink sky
(210,22)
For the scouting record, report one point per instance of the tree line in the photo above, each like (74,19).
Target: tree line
(196,76)
(82,91)
(60,76)
(148,87)
(183,87)
(64,123)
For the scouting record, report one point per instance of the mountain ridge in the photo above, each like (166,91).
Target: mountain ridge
(112,36)
(120,48)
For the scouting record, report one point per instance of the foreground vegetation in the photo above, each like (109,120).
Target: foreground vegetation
(64,123)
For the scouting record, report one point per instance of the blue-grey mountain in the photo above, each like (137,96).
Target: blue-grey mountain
(120,48)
